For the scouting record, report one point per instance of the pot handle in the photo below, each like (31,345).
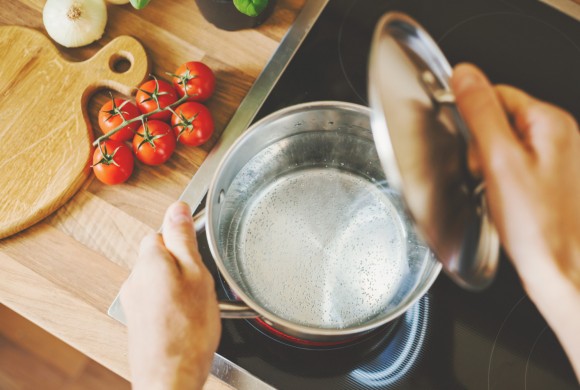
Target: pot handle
(236,310)
(228,309)
(199,221)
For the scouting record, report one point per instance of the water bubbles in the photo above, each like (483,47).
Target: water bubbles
(315,245)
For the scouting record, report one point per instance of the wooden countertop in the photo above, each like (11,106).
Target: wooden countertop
(64,272)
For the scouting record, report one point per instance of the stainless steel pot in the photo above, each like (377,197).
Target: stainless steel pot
(306,231)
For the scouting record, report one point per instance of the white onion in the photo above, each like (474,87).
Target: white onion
(74,23)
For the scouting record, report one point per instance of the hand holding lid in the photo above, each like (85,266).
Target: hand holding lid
(422,143)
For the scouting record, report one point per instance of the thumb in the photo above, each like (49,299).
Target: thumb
(179,236)
(484,115)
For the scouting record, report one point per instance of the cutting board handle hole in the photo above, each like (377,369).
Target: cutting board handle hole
(120,63)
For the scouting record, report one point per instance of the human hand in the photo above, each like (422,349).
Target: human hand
(529,154)
(171,309)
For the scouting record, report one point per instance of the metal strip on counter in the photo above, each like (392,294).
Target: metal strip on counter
(193,194)
(236,376)
(199,184)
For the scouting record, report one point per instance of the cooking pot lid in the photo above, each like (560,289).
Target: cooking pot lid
(422,141)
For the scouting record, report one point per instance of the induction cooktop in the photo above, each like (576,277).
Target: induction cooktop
(451,338)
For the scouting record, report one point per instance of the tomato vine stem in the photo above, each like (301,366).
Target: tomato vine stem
(141,118)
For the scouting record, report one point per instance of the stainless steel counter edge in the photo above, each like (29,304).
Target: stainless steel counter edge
(222,368)
(199,184)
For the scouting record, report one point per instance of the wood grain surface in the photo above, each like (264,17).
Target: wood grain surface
(45,131)
(31,358)
(63,272)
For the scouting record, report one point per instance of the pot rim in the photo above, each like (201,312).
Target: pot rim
(298,329)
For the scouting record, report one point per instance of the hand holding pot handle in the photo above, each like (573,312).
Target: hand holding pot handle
(529,154)
(171,308)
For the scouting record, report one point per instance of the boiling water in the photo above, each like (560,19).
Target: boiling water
(321,247)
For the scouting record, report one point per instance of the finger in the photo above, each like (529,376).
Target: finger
(516,104)
(545,128)
(474,161)
(154,260)
(179,237)
(152,253)
(484,115)
(150,244)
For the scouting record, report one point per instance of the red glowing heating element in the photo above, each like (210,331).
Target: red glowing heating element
(298,341)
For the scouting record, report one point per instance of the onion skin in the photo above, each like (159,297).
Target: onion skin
(75,23)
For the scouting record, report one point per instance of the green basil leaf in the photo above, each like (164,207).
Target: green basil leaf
(139,4)
(250,7)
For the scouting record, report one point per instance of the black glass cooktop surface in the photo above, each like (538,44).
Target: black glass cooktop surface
(451,339)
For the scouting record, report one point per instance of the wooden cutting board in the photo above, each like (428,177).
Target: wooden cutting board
(45,133)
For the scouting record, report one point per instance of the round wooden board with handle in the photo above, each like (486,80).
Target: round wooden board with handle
(45,133)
